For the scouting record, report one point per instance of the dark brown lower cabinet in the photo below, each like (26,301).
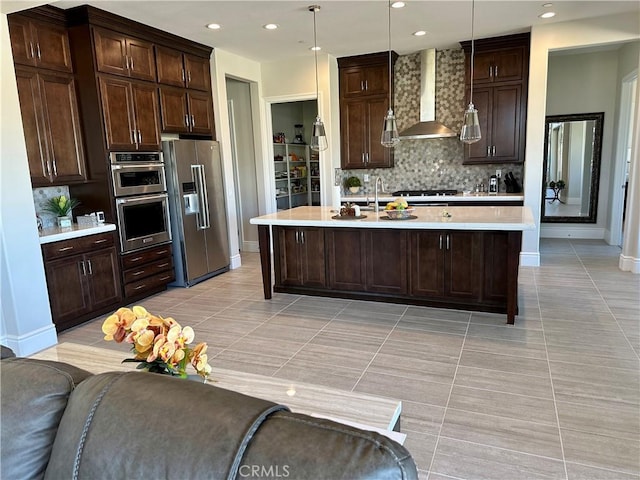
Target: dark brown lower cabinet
(83,278)
(147,271)
(446,264)
(473,270)
(300,254)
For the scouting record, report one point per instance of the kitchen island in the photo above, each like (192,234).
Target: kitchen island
(468,260)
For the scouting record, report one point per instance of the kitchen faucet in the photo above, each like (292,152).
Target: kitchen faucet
(376,203)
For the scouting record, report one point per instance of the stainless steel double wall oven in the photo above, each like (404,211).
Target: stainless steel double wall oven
(142,208)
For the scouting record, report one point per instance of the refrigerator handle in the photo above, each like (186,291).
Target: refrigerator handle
(203,215)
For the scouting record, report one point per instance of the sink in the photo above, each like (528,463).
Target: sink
(371,208)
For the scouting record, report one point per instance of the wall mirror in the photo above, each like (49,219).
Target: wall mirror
(571,171)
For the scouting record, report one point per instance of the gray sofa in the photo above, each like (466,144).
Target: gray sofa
(60,422)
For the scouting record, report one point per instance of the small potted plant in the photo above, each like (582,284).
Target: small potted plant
(61,207)
(353,184)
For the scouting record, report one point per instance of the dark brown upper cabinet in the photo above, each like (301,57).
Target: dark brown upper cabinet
(131,116)
(364,101)
(182,70)
(51,126)
(500,86)
(39,44)
(186,111)
(119,54)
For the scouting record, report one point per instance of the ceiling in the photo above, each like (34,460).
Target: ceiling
(346,27)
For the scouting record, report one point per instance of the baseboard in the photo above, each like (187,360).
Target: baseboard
(590,233)
(629,264)
(32,342)
(235,261)
(250,247)
(529,259)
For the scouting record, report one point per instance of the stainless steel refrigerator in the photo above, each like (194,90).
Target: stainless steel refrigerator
(197,208)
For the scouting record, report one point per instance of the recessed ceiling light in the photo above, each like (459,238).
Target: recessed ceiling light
(547,5)
(214,26)
(270,26)
(397,4)
(419,33)
(547,15)
(315,48)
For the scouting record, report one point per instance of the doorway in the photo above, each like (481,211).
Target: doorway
(623,155)
(244,161)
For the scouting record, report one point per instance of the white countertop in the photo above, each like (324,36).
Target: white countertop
(55,234)
(471,197)
(429,218)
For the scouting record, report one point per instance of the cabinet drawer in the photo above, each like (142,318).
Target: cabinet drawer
(149,283)
(147,270)
(72,246)
(143,257)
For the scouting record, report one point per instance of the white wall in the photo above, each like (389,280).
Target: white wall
(294,79)
(585,83)
(595,31)
(223,65)
(25,322)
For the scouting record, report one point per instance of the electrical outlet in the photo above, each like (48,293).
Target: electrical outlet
(499,173)
(366,177)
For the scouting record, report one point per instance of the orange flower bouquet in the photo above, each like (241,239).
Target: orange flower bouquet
(160,345)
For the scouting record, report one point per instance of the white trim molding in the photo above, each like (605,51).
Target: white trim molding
(31,342)
(629,264)
(564,231)
(529,259)
(235,261)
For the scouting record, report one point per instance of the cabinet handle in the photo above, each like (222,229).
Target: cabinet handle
(90,268)
(495,71)
(133,136)
(362,157)
(84,270)
(488,150)
(193,121)
(366,84)
(189,76)
(186,120)
(493,151)
(100,241)
(302,236)
(184,79)
(166,277)
(31,49)
(139,272)
(131,63)
(136,259)
(139,287)
(162,265)
(161,252)
(366,156)
(361,85)
(55,168)
(64,249)
(297,236)
(38,50)
(126,62)
(49,169)
(440,243)
(139,137)
(448,242)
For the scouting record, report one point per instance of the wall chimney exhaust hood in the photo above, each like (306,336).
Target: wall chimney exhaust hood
(427,127)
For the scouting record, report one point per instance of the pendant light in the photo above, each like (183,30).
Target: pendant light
(470,132)
(389,137)
(318,135)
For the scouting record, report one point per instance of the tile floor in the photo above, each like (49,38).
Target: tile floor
(555,396)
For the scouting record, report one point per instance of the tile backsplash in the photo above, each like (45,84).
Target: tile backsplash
(433,163)
(41,196)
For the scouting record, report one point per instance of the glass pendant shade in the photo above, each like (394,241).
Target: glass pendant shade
(318,136)
(470,132)
(390,137)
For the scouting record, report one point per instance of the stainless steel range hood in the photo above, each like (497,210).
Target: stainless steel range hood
(428,127)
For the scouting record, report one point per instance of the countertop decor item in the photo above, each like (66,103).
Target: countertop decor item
(353,184)
(61,206)
(160,345)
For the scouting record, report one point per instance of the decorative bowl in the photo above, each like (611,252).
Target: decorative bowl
(398,214)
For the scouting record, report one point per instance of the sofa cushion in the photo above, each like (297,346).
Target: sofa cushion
(143,425)
(298,446)
(33,395)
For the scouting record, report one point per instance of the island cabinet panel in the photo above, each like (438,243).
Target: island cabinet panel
(495,273)
(300,254)
(446,264)
(386,261)
(345,255)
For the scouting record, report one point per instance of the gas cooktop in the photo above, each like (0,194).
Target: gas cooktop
(424,193)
